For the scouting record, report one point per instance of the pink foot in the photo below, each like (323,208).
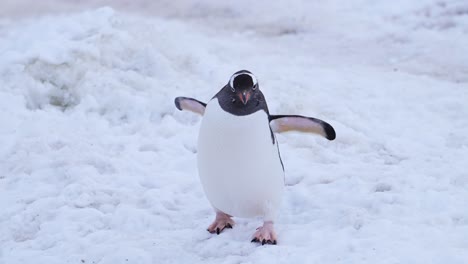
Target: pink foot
(265,234)
(221,222)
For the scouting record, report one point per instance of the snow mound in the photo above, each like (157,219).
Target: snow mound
(97,165)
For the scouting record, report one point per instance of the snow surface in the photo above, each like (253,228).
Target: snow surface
(98,166)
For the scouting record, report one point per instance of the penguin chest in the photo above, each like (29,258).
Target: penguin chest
(239,166)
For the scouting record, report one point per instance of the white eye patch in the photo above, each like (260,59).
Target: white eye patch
(231,81)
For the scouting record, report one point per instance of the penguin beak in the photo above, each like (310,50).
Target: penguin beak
(244,96)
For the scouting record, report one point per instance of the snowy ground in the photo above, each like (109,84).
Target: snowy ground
(97,165)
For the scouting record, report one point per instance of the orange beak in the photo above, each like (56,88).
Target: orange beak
(244,96)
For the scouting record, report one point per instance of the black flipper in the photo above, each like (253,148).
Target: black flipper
(284,123)
(190,104)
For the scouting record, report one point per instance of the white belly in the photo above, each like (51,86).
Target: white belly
(239,167)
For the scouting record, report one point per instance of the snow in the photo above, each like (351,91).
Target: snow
(98,166)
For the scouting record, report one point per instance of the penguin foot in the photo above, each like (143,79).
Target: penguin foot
(221,222)
(265,234)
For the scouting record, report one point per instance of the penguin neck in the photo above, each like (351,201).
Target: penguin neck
(231,104)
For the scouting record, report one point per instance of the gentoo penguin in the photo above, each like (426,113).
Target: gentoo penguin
(239,163)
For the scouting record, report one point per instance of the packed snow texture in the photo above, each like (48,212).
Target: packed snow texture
(98,166)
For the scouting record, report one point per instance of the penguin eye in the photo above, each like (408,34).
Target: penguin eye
(255,86)
(233,89)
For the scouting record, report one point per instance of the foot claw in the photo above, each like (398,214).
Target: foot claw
(265,234)
(221,222)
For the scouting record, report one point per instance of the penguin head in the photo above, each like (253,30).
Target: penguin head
(244,86)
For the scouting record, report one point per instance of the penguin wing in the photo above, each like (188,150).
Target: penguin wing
(190,104)
(285,123)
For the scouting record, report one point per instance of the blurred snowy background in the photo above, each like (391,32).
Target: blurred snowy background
(97,165)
